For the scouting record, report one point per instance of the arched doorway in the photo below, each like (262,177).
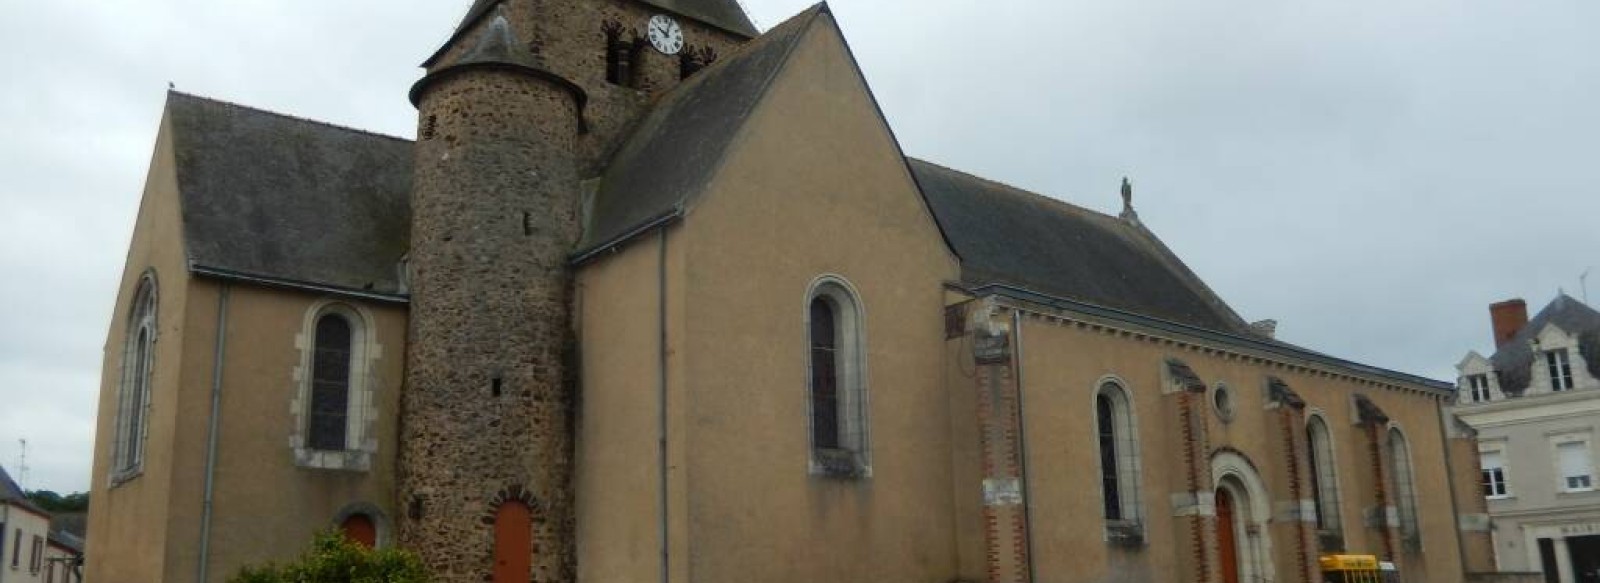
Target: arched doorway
(1243,510)
(513,543)
(1227,542)
(361,529)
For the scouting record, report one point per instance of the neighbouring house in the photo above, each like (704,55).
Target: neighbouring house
(655,296)
(1535,403)
(24,529)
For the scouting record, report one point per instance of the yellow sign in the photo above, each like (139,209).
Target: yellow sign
(1349,563)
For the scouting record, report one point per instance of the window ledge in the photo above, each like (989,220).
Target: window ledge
(125,476)
(339,459)
(1504,497)
(839,463)
(1577,492)
(1125,533)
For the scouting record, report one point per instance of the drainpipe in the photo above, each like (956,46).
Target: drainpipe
(211,439)
(1450,471)
(661,397)
(1022,442)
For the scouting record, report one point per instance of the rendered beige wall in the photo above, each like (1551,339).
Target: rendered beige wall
(815,185)
(1063,366)
(127,523)
(265,506)
(148,528)
(618,465)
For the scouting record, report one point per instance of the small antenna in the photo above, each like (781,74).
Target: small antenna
(22,466)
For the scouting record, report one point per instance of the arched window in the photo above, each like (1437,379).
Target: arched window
(330,384)
(335,397)
(1119,454)
(836,379)
(133,395)
(1324,476)
(1403,485)
(513,543)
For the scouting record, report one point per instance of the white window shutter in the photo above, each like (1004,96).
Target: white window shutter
(1574,459)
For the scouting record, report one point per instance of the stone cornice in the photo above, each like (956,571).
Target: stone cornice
(1271,356)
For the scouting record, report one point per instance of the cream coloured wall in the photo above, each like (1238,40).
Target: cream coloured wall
(127,522)
(148,527)
(815,185)
(265,505)
(618,470)
(1063,365)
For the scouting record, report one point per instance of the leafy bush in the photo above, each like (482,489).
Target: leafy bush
(333,558)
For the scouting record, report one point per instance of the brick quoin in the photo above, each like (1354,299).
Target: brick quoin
(1194,455)
(1380,487)
(1292,432)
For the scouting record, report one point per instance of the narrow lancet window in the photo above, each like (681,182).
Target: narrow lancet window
(824,375)
(330,384)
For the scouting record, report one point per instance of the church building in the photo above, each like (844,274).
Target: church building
(656,296)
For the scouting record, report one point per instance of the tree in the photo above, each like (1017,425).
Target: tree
(334,558)
(54,503)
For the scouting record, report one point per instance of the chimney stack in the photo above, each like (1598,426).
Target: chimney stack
(1508,318)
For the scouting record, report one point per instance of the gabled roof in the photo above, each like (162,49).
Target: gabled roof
(1564,312)
(1005,235)
(680,145)
(282,199)
(11,493)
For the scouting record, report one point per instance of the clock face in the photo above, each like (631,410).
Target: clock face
(665,35)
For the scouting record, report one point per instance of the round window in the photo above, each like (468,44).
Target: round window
(1222,398)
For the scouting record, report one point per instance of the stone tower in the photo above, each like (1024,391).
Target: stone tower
(516,110)
(485,414)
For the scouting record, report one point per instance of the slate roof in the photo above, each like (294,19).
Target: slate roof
(724,14)
(11,493)
(1566,312)
(1005,235)
(285,199)
(678,148)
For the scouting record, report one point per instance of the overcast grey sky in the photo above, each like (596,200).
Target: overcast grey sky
(1370,173)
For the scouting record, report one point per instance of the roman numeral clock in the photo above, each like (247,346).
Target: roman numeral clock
(665,34)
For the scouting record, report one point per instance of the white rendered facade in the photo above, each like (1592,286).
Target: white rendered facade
(1538,448)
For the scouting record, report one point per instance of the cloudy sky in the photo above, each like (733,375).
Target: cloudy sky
(1370,173)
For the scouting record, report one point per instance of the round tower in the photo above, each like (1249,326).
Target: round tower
(486,440)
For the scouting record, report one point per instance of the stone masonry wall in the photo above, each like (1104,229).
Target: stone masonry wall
(486,407)
(568,37)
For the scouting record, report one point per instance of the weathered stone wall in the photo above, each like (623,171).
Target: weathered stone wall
(569,39)
(487,402)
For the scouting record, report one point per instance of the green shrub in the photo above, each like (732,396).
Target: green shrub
(332,558)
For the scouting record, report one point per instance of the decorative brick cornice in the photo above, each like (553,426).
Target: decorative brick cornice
(1286,364)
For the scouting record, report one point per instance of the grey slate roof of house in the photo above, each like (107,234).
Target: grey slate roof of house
(290,200)
(11,493)
(1567,313)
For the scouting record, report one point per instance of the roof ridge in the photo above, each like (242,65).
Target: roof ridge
(1020,190)
(288,116)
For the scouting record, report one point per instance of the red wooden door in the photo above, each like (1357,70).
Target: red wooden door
(513,543)
(1227,545)
(359,528)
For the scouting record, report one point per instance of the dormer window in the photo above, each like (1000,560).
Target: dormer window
(1560,369)
(1478,388)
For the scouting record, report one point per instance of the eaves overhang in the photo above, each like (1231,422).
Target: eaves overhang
(1024,298)
(307,286)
